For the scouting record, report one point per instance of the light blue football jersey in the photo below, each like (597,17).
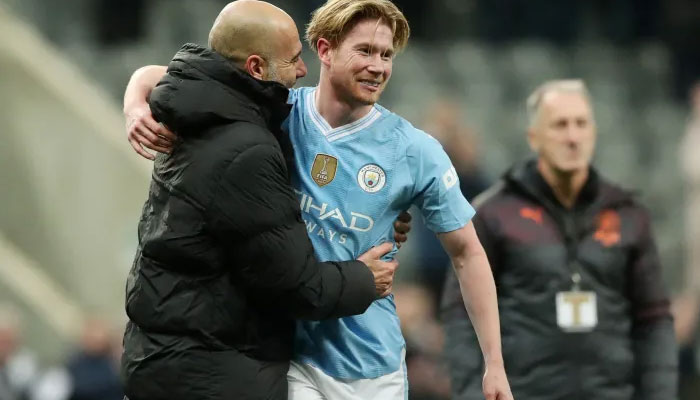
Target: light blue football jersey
(352,183)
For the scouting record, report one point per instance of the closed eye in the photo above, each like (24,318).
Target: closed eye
(296,57)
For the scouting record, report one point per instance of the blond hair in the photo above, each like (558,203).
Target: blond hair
(333,20)
(534,101)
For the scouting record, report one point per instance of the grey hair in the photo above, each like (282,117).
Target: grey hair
(534,101)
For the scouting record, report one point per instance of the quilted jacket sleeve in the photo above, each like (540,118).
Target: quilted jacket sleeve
(255,212)
(655,349)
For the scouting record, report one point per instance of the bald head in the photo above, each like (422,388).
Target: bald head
(248,27)
(261,39)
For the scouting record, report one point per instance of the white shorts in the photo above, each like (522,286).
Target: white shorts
(307,382)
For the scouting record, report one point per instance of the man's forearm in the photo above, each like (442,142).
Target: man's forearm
(141,84)
(479,294)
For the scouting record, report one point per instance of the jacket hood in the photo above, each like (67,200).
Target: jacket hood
(204,89)
(525,178)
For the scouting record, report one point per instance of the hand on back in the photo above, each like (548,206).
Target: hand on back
(143,132)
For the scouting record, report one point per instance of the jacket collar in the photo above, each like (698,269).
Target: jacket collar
(205,88)
(526,178)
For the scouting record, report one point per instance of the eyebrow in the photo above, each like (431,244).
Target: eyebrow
(388,50)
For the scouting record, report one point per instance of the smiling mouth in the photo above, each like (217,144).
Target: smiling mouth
(373,84)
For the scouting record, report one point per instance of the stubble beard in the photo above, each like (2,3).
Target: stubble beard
(273,75)
(356,95)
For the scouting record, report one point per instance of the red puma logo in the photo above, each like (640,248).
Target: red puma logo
(532,213)
(608,231)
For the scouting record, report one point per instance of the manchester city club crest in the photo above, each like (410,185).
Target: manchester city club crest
(323,169)
(371,178)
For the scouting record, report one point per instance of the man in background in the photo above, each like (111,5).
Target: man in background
(584,310)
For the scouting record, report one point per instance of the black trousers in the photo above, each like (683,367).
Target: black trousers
(209,376)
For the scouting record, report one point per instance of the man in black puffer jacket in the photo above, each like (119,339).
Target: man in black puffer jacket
(224,262)
(585,314)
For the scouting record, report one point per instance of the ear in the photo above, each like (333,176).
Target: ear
(532,140)
(256,66)
(325,52)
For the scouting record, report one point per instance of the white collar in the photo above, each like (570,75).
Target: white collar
(333,134)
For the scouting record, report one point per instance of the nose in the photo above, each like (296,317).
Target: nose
(575,133)
(574,136)
(301,69)
(376,65)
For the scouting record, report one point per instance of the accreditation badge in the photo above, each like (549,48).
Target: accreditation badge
(577,311)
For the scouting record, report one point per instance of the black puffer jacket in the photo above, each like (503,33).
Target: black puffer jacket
(533,244)
(224,263)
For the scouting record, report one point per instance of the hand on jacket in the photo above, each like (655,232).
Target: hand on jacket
(143,131)
(383,271)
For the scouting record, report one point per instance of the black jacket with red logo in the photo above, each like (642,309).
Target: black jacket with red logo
(535,247)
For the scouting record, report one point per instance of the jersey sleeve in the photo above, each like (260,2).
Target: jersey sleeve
(436,189)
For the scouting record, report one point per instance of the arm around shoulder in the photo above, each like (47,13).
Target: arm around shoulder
(142,81)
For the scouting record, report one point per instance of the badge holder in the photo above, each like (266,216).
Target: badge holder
(577,310)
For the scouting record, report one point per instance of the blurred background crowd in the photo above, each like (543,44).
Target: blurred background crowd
(71,188)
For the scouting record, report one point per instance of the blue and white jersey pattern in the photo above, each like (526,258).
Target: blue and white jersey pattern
(352,182)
